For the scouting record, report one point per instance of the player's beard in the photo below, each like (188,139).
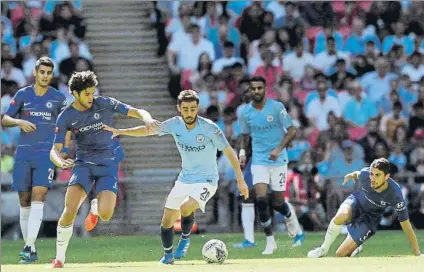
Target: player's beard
(258,98)
(192,120)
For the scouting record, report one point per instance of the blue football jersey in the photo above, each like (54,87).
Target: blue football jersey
(43,112)
(374,203)
(267,128)
(197,147)
(93,143)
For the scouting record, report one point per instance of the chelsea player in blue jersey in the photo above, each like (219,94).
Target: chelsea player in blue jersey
(363,210)
(271,129)
(197,140)
(97,154)
(34,109)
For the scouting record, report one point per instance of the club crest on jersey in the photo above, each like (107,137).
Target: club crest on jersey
(49,104)
(400,206)
(200,138)
(96,116)
(270,118)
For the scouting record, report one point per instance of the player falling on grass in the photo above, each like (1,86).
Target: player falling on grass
(97,154)
(197,140)
(363,210)
(37,108)
(272,130)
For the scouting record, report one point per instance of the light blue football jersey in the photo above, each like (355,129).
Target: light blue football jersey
(197,147)
(267,127)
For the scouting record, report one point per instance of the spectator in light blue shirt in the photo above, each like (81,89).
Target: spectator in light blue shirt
(339,167)
(399,38)
(355,42)
(358,109)
(377,84)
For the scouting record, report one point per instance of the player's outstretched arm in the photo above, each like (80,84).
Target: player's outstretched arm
(140,131)
(410,234)
(231,155)
(150,123)
(351,176)
(26,126)
(57,159)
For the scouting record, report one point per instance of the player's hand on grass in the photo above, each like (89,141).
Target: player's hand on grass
(115,132)
(242,186)
(152,125)
(68,163)
(26,126)
(273,156)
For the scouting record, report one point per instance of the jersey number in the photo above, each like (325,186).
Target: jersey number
(51,175)
(283,178)
(205,194)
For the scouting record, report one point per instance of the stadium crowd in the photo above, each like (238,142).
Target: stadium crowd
(351,75)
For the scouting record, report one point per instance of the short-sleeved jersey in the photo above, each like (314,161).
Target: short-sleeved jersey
(267,128)
(374,203)
(42,111)
(93,143)
(197,147)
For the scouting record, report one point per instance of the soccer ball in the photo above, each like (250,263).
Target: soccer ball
(215,251)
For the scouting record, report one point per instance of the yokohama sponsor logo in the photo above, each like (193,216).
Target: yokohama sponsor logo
(96,126)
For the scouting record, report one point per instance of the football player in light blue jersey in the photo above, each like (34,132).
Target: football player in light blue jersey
(197,140)
(272,130)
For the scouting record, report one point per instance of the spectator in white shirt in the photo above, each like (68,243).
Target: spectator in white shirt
(318,109)
(258,60)
(325,60)
(227,60)
(295,62)
(188,54)
(9,72)
(415,68)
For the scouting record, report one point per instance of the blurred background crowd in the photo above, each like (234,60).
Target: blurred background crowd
(351,75)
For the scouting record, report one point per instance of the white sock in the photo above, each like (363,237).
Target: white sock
(248,221)
(332,232)
(293,219)
(23,220)
(64,234)
(94,209)
(34,223)
(270,239)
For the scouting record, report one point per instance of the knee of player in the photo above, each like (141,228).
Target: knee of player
(341,218)
(342,253)
(105,215)
(186,210)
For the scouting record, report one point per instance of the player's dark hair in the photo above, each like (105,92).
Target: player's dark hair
(381,164)
(82,80)
(46,61)
(187,96)
(258,78)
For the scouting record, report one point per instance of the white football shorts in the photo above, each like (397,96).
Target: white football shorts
(201,192)
(275,176)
